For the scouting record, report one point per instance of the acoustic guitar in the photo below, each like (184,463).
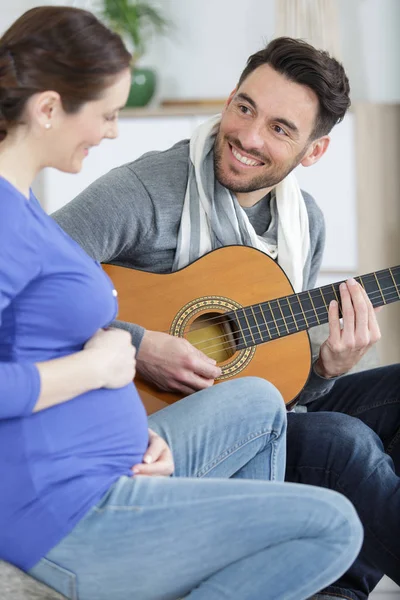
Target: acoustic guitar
(236,305)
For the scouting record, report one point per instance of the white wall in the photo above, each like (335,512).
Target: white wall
(11,10)
(371,48)
(212,39)
(208,50)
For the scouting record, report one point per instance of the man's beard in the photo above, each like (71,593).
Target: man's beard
(258,182)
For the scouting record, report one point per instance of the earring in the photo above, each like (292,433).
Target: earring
(48,125)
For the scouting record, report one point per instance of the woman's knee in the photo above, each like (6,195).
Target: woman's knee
(344,526)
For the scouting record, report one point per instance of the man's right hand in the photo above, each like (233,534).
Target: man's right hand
(174,365)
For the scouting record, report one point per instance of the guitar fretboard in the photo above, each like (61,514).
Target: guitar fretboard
(270,320)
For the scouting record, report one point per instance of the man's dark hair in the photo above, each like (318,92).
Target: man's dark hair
(302,63)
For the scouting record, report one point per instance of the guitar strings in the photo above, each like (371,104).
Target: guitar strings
(262,328)
(372,295)
(215,349)
(328,288)
(227,346)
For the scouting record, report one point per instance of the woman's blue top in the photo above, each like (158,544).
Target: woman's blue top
(57,463)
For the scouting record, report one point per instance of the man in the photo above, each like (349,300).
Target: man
(233,184)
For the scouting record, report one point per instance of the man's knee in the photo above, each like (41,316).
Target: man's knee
(329,438)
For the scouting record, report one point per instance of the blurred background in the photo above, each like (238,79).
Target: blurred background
(188,57)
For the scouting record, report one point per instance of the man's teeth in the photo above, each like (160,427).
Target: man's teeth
(244,159)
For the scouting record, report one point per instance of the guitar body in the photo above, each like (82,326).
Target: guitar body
(190,303)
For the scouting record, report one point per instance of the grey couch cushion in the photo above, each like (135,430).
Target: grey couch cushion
(17,585)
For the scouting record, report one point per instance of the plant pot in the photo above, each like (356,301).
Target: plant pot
(142,88)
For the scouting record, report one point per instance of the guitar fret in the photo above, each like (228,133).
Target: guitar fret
(279,318)
(308,309)
(395,284)
(273,330)
(273,316)
(371,286)
(288,314)
(386,281)
(329,296)
(301,323)
(257,325)
(335,294)
(319,305)
(244,330)
(283,316)
(250,329)
(397,276)
(291,310)
(380,289)
(265,321)
(323,298)
(302,310)
(313,305)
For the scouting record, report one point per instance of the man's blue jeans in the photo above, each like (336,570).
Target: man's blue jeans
(212,532)
(356,451)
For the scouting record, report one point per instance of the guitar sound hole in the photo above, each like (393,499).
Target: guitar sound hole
(213,334)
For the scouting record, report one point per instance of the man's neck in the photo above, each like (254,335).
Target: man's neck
(249,199)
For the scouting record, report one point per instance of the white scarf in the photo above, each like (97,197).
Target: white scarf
(212,217)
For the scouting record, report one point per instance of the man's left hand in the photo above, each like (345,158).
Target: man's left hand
(346,345)
(157,459)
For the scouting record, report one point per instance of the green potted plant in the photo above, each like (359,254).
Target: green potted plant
(136,21)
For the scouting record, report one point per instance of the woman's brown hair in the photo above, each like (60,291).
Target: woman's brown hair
(63,49)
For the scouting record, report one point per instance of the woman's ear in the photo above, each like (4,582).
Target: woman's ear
(44,108)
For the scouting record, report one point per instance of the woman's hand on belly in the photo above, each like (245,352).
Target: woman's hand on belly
(112,349)
(158,458)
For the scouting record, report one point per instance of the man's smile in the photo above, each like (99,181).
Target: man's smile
(244,159)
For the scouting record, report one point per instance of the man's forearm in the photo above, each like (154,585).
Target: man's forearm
(315,387)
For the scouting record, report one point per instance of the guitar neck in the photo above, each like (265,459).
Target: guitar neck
(270,320)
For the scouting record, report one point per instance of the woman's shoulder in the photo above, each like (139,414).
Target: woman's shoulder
(18,225)
(14,205)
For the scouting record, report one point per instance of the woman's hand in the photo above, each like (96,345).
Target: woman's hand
(106,361)
(157,459)
(115,356)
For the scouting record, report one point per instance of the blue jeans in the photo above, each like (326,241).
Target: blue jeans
(356,451)
(211,532)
